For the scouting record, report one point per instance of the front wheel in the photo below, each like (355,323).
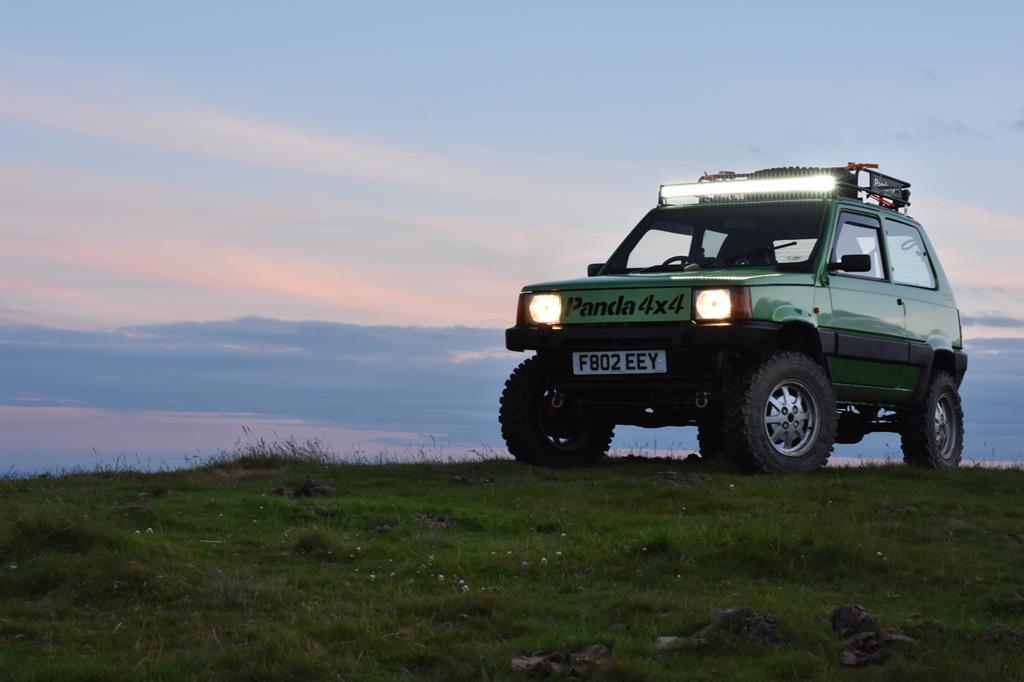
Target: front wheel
(546,427)
(933,431)
(780,416)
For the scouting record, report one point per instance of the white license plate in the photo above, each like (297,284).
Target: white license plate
(619,362)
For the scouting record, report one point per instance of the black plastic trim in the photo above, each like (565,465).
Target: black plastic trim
(668,335)
(875,349)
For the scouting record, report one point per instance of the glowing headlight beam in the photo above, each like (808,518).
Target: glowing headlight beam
(812,184)
(545,308)
(713,304)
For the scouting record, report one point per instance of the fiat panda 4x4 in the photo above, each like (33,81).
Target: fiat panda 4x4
(779,311)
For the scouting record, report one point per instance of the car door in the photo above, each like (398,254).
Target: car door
(869,321)
(930,315)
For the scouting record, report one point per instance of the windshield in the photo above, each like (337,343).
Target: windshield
(721,236)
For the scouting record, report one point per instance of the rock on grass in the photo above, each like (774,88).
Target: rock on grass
(870,648)
(849,619)
(542,665)
(730,627)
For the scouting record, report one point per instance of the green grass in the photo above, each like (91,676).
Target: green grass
(233,582)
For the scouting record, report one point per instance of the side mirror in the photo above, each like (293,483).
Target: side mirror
(593,269)
(852,263)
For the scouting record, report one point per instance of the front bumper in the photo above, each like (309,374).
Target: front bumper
(696,362)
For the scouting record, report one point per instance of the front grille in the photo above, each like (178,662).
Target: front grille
(617,344)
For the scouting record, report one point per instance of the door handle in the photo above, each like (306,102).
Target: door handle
(899,301)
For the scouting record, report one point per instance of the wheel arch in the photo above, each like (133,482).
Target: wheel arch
(803,337)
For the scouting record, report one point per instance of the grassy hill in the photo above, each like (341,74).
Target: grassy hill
(448,571)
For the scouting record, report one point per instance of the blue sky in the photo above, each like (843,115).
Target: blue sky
(413,165)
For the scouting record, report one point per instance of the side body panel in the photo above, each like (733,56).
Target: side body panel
(885,333)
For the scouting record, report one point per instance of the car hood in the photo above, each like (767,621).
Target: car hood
(720,277)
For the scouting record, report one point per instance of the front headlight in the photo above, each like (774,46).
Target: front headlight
(713,304)
(545,308)
(716,305)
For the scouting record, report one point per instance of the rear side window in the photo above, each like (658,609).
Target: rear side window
(859,235)
(908,258)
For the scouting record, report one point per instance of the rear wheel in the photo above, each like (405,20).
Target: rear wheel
(546,427)
(933,433)
(780,416)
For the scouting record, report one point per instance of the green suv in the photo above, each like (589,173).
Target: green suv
(779,311)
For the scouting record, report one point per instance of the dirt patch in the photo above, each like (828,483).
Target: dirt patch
(310,488)
(1004,634)
(471,480)
(731,627)
(433,521)
(1011,603)
(542,665)
(325,511)
(231,473)
(850,619)
(896,508)
(383,528)
(678,478)
(134,511)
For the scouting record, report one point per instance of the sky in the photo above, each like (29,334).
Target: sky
(170,171)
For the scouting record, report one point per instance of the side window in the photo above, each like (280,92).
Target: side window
(908,258)
(712,242)
(858,235)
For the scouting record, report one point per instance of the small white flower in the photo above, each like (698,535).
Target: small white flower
(12,566)
(878,553)
(543,559)
(525,564)
(359,549)
(563,535)
(465,588)
(138,532)
(558,554)
(508,553)
(373,577)
(392,574)
(261,506)
(732,487)
(149,530)
(440,577)
(643,549)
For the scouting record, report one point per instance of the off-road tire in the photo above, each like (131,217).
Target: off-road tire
(521,424)
(919,436)
(744,414)
(710,436)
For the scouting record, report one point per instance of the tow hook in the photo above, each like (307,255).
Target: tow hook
(701,401)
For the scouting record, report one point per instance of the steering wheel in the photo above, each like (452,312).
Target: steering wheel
(682,260)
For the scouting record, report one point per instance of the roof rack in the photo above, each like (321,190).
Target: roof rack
(778,183)
(888,191)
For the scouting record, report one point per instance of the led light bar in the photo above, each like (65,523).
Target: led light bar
(808,184)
